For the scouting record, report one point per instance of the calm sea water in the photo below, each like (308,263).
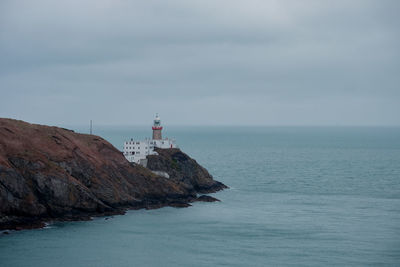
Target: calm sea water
(299,196)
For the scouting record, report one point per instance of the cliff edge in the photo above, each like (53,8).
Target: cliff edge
(183,170)
(50,173)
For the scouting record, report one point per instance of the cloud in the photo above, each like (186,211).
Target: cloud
(307,62)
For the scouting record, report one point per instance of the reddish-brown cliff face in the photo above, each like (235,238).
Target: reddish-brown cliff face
(51,173)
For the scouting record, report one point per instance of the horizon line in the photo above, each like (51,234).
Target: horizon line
(200,124)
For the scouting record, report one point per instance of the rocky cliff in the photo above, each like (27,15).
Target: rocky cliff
(183,170)
(50,173)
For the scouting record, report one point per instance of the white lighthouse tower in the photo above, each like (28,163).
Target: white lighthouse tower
(137,151)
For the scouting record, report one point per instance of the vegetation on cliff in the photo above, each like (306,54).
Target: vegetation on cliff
(50,173)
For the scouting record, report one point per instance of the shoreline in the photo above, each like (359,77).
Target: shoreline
(42,223)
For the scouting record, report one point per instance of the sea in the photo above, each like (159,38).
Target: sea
(298,196)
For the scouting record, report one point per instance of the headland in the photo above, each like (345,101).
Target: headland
(55,174)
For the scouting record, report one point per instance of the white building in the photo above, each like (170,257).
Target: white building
(136,151)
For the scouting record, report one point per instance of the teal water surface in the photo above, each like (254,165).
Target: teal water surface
(299,196)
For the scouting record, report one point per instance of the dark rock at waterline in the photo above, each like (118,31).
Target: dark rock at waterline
(49,173)
(205,198)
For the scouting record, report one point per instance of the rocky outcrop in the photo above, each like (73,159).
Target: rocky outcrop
(183,170)
(50,173)
(204,198)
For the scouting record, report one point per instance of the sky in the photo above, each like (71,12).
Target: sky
(201,62)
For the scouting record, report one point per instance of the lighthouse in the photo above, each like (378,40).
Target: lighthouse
(157,128)
(136,151)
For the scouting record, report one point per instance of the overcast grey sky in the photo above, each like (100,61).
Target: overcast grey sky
(205,62)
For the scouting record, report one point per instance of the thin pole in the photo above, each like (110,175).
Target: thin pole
(90,126)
